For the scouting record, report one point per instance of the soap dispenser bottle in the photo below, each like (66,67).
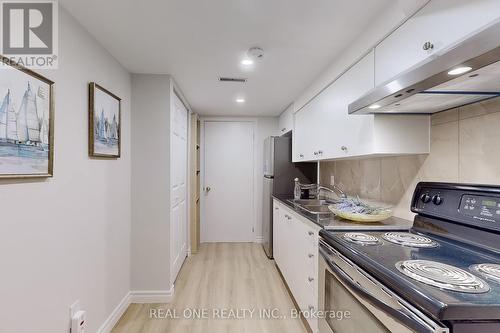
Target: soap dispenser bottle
(296,190)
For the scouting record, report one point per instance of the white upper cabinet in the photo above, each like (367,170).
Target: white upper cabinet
(323,129)
(437,26)
(305,135)
(286,120)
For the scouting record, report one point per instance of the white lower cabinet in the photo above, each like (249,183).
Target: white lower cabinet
(295,248)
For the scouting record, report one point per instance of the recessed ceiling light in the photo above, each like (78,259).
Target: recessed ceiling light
(247,62)
(240,100)
(374,106)
(459,70)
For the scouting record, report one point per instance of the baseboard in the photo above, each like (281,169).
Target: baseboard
(152,296)
(259,239)
(136,296)
(117,313)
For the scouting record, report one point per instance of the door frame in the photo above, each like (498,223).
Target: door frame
(175,91)
(206,119)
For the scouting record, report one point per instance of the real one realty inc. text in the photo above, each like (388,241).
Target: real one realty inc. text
(245,313)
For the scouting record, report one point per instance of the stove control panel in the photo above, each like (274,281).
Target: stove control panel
(477,205)
(481,207)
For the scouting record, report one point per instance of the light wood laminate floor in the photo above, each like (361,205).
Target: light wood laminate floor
(234,276)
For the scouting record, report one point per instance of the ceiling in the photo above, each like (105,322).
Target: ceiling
(198,40)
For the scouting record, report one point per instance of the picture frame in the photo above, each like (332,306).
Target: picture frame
(26,122)
(104,123)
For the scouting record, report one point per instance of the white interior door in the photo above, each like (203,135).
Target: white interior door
(228,210)
(178,174)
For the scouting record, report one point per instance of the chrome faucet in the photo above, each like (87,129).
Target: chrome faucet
(335,190)
(317,187)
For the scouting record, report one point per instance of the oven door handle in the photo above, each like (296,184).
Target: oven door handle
(401,316)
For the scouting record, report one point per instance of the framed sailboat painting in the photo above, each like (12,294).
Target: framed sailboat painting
(26,122)
(104,122)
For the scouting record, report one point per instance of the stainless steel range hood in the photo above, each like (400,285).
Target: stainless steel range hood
(429,87)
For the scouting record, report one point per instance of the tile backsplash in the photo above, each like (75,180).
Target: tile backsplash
(465,147)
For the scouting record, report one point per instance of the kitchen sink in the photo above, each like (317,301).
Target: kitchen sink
(309,202)
(316,209)
(313,206)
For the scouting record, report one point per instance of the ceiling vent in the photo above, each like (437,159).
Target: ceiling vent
(232,79)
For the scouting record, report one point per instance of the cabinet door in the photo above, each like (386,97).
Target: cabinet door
(307,296)
(305,273)
(304,134)
(295,253)
(293,270)
(345,135)
(286,120)
(277,235)
(306,268)
(283,241)
(442,23)
(325,130)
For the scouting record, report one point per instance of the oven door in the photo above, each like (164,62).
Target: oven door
(353,301)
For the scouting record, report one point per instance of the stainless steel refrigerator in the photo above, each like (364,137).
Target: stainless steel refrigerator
(279,175)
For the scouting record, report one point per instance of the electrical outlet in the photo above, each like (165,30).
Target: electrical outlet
(332,180)
(77,318)
(74,308)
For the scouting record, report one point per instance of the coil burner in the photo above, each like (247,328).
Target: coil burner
(408,239)
(443,276)
(361,238)
(488,271)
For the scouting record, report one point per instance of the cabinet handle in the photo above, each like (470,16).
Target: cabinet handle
(276,208)
(315,153)
(320,152)
(428,46)
(283,129)
(310,255)
(301,155)
(344,148)
(311,279)
(310,233)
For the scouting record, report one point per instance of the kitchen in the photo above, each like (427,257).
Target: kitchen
(271,167)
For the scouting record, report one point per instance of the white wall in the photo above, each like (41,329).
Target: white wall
(150,182)
(151,279)
(68,237)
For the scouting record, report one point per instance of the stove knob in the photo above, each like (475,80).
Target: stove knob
(425,198)
(437,199)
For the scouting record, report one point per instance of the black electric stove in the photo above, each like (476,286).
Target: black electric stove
(448,264)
